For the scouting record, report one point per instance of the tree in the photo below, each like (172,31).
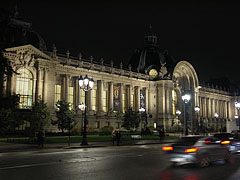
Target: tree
(9,119)
(131,120)
(5,70)
(65,116)
(39,116)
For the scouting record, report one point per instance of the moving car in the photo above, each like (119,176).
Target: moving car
(198,150)
(232,141)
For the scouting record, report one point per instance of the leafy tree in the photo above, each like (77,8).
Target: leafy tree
(39,116)
(131,120)
(65,116)
(5,70)
(9,119)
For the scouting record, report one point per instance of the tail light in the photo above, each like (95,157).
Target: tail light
(191,150)
(167,148)
(207,142)
(225,142)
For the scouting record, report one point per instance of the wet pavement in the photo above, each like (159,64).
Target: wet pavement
(13,147)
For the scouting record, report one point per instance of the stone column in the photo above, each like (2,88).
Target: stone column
(228,110)
(147,101)
(200,105)
(213,107)
(77,93)
(217,106)
(110,100)
(89,98)
(137,98)
(67,78)
(121,97)
(168,97)
(161,102)
(45,85)
(99,95)
(13,84)
(38,88)
(128,96)
(34,91)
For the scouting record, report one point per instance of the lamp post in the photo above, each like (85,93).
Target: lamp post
(216,115)
(237,105)
(186,98)
(178,113)
(197,110)
(86,84)
(82,107)
(141,110)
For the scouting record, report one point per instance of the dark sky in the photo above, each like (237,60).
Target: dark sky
(204,33)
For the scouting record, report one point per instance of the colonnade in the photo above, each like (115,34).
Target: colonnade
(129,94)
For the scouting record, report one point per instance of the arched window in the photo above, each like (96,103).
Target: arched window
(24,87)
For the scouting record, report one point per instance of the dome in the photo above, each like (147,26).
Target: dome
(152,57)
(16,32)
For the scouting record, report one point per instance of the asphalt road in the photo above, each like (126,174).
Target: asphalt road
(108,163)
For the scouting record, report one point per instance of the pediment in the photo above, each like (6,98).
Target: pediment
(28,50)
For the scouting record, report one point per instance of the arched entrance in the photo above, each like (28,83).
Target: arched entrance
(185,80)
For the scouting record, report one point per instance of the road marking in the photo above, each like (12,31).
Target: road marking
(84,159)
(26,165)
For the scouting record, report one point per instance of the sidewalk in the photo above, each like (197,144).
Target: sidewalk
(13,147)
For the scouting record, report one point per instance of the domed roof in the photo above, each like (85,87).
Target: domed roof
(152,57)
(16,32)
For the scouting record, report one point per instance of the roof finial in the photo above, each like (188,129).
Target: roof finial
(15,11)
(150,28)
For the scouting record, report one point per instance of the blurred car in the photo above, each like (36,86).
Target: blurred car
(232,141)
(197,150)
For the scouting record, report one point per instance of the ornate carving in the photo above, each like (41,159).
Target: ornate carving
(25,59)
(163,71)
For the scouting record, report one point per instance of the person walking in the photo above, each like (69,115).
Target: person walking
(114,136)
(161,134)
(118,136)
(40,137)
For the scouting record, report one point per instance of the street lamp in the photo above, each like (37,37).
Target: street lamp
(85,84)
(186,98)
(141,110)
(237,105)
(197,110)
(82,107)
(178,113)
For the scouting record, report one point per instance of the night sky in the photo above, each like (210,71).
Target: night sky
(206,34)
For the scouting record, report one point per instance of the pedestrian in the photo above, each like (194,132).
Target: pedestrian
(114,135)
(40,137)
(161,134)
(118,136)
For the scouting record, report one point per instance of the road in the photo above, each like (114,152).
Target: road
(108,163)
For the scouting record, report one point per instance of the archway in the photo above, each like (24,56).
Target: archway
(185,80)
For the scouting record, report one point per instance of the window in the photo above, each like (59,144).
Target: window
(70,95)
(97,124)
(24,87)
(57,93)
(104,101)
(174,100)
(118,125)
(94,100)
(132,101)
(123,103)
(154,125)
(82,96)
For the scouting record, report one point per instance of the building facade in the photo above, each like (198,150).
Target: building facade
(54,77)
(152,81)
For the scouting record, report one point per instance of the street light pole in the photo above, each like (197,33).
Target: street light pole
(197,109)
(237,105)
(86,84)
(186,98)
